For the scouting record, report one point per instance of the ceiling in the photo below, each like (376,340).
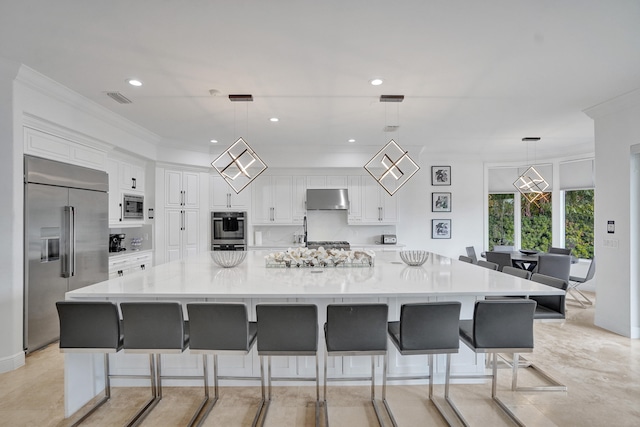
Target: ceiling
(476,76)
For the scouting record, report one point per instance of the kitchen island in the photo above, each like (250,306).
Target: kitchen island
(198,278)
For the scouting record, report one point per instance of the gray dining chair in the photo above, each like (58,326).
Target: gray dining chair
(465,259)
(575,281)
(471,253)
(554,265)
(503,248)
(503,259)
(488,264)
(518,272)
(560,251)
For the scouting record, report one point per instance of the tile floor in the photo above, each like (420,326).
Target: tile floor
(601,369)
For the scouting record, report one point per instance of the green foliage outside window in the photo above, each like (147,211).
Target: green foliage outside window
(501,225)
(536,224)
(578,212)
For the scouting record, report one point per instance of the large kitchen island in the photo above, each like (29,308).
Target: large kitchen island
(198,278)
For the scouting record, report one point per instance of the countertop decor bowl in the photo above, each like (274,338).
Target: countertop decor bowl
(414,258)
(228,259)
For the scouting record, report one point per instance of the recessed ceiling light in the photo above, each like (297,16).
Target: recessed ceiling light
(351,140)
(134,82)
(274,119)
(376,81)
(214,141)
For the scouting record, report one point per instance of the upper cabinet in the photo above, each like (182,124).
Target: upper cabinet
(378,207)
(223,197)
(126,176)
(181,188)
(272,200)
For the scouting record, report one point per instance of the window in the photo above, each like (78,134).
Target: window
(578,224)
(536,224)
(501,221)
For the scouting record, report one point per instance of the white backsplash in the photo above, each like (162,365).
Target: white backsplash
(324,225)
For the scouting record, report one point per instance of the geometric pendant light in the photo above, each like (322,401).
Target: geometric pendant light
(239,165)
(530,183)
(392,167)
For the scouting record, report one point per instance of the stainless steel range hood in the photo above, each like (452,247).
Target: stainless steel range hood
(327,199)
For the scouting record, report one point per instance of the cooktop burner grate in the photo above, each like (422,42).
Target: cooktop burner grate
(329,245)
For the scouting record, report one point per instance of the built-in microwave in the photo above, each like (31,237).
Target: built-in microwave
(132,207)
(228,231)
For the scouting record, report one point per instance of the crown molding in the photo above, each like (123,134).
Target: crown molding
(620,103)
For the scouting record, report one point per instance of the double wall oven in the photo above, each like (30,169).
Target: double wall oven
(228,231)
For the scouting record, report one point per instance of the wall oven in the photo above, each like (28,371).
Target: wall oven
(228,231)
(132,207)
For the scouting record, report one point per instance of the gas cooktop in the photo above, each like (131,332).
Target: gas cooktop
(329,245)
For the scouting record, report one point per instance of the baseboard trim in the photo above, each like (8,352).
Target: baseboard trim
(12,363)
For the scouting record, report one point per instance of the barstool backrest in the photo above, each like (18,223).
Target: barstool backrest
(503,324)
(554,303)
(153,326)
(356,327)
(218,326)
(518,272)
(287,328)
(89,325)
(430,326)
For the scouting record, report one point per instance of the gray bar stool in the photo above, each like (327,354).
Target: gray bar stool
(91,327)
(357,330)
(286,330)
(218,328)
(427,328)
(501,326)
(154,328)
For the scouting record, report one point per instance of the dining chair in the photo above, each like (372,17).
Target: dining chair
(560,251)
(504,248)
(575,281)
(471,253)
(488,264)
(503,259)
(554,265)
(465,259)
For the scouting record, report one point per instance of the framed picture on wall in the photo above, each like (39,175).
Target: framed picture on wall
(440,202)
(440,175)
(440,228)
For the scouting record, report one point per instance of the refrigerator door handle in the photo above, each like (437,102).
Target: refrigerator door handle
(69,256)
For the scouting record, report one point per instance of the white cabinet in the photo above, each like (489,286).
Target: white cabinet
(131,178)
(181,189)
(181,233)
(181,224)
(299,198)
(120,265)
(272,200)
(125,177)
(354,215)
(378,207)
(223,197)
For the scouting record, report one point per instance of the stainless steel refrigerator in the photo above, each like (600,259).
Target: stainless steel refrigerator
(66,240)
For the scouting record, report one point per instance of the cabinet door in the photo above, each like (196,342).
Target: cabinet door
(316,182)
(355,199)
(219,193)
(299,198)
(115,195)
(242,201)
(191,188)
(173,188)
(371,208)
(190,233)
(173,234)
(261,200)
(282,199)
(389,207)
(138,174)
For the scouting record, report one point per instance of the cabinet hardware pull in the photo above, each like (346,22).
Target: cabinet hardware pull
(120,273)
(182,220)
(133,183)
(121,211)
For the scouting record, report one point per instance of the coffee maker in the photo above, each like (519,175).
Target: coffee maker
(116,242)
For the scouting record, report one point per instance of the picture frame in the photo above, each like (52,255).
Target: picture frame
(440,175)
(440,228)
(440,202)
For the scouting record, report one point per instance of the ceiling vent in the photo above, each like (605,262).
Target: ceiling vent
(390,128)
(391,98)
(237,98)
(118,97)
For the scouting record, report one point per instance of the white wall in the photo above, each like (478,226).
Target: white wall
(11,259)
(617,129)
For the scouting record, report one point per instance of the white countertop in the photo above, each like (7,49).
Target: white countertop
(200,277)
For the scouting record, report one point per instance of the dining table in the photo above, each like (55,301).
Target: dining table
(526,259)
